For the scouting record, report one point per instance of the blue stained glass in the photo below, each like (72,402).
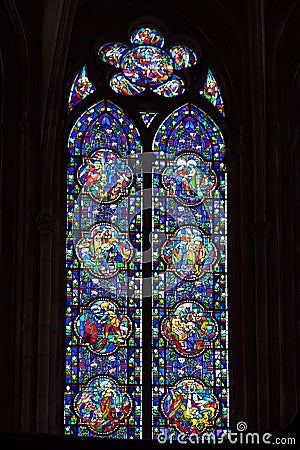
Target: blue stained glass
(102,405)
(103,307)
(147,64)
(103,393)
(112,53)
(121,85)
(81,88)
(182,56)
(148,117)
(196,179)
(104,125)
(172,88)
(202,332)
(190,338)
(147,36)
(190,405)
(212,92)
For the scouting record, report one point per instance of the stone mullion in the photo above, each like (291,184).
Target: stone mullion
(287,91)
(50,314)
(24,375)
(280,164)
(47,227)
(260,225)
(274,168)
(287,307)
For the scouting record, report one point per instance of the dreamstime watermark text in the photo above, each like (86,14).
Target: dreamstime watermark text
(240,436)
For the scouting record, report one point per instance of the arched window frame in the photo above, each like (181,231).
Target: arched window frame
(34,258)
(195,82)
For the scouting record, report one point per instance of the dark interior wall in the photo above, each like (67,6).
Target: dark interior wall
(18,243)
(252,45)
(282,96)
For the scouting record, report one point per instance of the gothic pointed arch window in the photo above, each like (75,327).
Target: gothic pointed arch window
(146,310)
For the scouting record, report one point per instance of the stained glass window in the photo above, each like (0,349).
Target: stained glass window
(103,388)
(212,92)
(108,193)
(147,117)
(190,341)
(147,64)
(81,88)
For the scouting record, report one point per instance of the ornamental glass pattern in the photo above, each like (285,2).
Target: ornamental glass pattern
(147,64)
(212,92)
(190,336)
(81,88)
(104,285)
(107,196)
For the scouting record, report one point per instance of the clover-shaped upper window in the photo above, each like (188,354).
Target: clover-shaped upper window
(147,64)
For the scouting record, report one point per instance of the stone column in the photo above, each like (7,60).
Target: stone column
(47,226)
(56,34)
(26,282)
(260,225)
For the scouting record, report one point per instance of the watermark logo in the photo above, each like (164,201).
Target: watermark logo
(240,436)
(110,215)
(241,426)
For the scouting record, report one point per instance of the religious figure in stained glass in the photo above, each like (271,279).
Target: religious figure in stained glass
(189,178)
(104,386)
(189,253)
(212,92)
(102,326)
(189,328)
(189,276)
(190,406)
(104,286)
(103,250)
(102,405)
(81,88)
(147,64)
(105,176)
